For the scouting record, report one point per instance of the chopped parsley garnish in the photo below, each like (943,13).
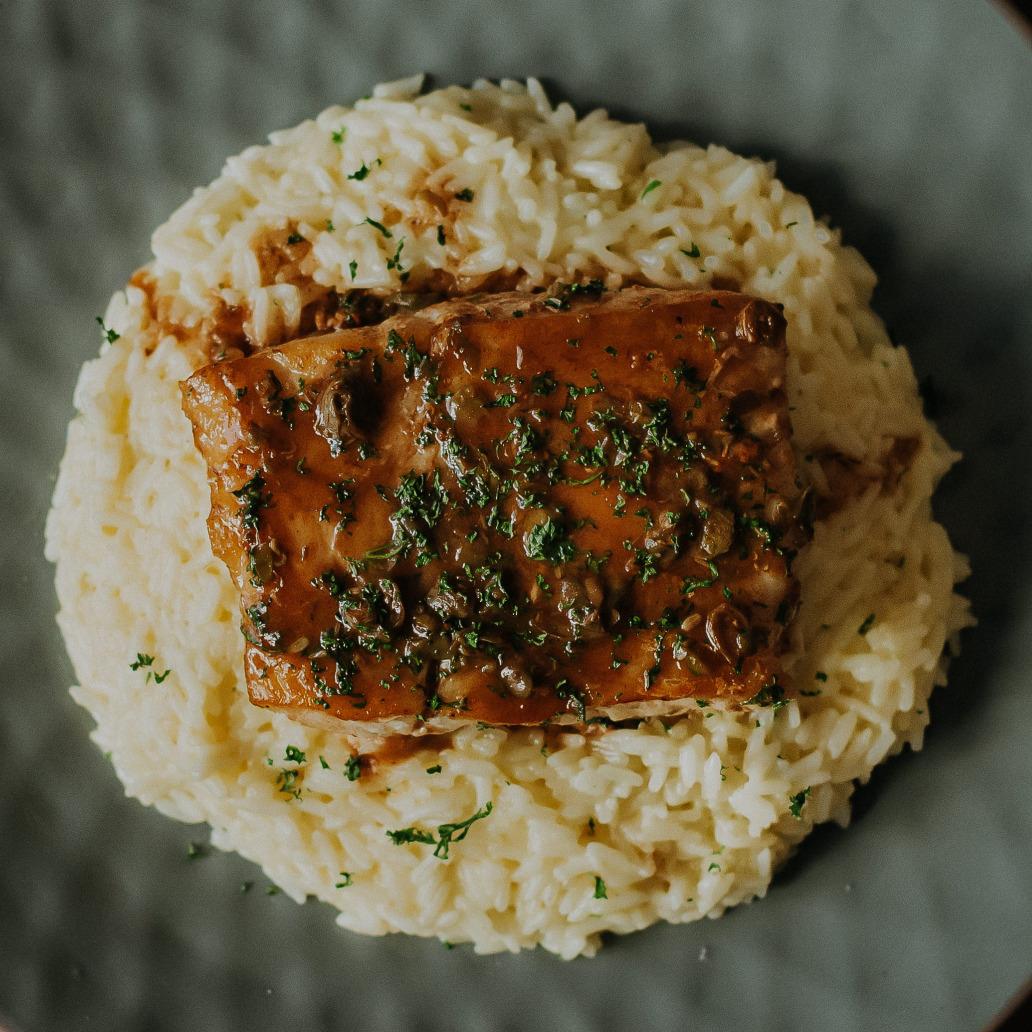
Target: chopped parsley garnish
(252,500)
(380,226)
(109,335)
(772,695)
(688,375)
(559,300)
(334,584)
(592,457)
(600,888)
(543,384)
(345,881)
(432,394)
(866,625)
(496,521)
(634,484)
(762,528)
(465,195)
(395,261)
(145,662)
(647,564)
(415,360)
(565,691)
(475,488)
(548,543)
(361,173)
(693,253)
(657,430)
(288,782)
(405,835)
(502,401)
(691,583)
(422,498)
(446,833)
(353,768)
(652,186)
(795,803)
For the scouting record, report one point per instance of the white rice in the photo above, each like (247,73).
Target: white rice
(674,822)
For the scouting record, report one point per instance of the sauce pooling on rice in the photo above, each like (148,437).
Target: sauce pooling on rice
(511,509)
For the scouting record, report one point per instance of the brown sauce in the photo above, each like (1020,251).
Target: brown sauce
(510,508)
(848,478)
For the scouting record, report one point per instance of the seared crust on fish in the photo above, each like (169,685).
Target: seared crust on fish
(514,509)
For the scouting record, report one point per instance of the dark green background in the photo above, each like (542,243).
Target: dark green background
(907,122)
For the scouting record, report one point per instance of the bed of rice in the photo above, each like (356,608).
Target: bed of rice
(677,822)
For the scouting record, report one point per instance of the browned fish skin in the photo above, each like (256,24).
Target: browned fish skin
(511,509)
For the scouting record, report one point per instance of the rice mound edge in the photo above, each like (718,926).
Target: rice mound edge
(584,834)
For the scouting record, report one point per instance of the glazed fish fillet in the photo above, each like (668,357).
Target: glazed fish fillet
(515,509)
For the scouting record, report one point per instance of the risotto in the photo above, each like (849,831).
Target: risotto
(503,837)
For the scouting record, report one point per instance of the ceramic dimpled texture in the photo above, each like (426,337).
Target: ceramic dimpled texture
(111,113)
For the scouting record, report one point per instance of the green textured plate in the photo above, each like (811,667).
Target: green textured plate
(906,121)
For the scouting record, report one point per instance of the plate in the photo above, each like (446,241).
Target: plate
(906,124)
